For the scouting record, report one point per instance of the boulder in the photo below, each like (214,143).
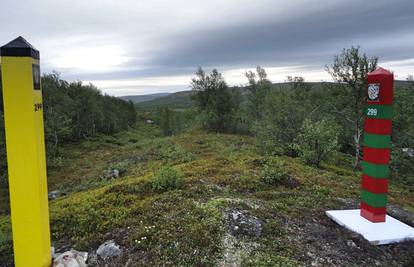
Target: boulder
(93,259)
(408,151)
(115,173)
(241,223)
(70,258)
(291,182)
(54,194)
(111,174)
(108,250)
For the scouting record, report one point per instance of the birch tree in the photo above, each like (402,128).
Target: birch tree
(351,68)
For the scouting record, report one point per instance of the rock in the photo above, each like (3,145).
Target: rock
(111,174)
(54,194)
(290,182)
(70,258)
(408,151)
(351,243)
(401,214)
(93,259)
(108,250)
(348,203)
(115,173)
(241,223)
(234,250)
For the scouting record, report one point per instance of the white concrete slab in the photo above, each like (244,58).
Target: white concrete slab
(390,231)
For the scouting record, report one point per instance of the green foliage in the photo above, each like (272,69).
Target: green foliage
(167,178)
(216,102)
(258,88)
(74,111)
(402,160)
(167,121)
(402,166)
(351,68)
(274,172)
(176,153)
(317,141)
(403,117)
(334,104)
(173,122)
(284,111)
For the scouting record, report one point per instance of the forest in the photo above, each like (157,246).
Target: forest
(72,112)
(297,118)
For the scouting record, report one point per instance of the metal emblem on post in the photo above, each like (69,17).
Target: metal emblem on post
(373,91)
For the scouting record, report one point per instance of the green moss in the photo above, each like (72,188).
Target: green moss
(176,231)
(84,218)
(185,225)
(269,259)
(274,172)
(6,241)
(167,178)
(176,153)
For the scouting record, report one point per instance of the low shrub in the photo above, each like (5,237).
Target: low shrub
(141,189)
(317,141)
(176,153)
(167,178)
(402,166)
(274,173)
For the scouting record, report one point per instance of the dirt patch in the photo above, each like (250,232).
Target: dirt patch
(324,243)
(234,251)
(238,241)
(241,223)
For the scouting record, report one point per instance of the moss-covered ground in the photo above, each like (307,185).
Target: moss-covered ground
(187,226)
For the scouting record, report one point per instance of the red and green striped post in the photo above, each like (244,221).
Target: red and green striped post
(377,142)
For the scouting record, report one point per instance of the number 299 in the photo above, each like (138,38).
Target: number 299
(372,112)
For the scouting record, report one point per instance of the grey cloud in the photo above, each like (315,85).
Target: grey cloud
(162,38)
(310,38)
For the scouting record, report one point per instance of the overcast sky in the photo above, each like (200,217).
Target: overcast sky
(138,47)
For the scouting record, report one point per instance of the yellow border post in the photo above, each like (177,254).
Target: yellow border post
(23,117)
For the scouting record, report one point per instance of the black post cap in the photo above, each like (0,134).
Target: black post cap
(19,47)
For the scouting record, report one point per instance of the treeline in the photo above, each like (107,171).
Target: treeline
(296,120)
(74,111)
(174,121)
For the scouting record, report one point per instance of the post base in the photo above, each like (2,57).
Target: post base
(372,217)
(373,214)
(380,233)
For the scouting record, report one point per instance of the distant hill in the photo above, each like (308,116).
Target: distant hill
(182,99)
(177,100)
(142,98)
